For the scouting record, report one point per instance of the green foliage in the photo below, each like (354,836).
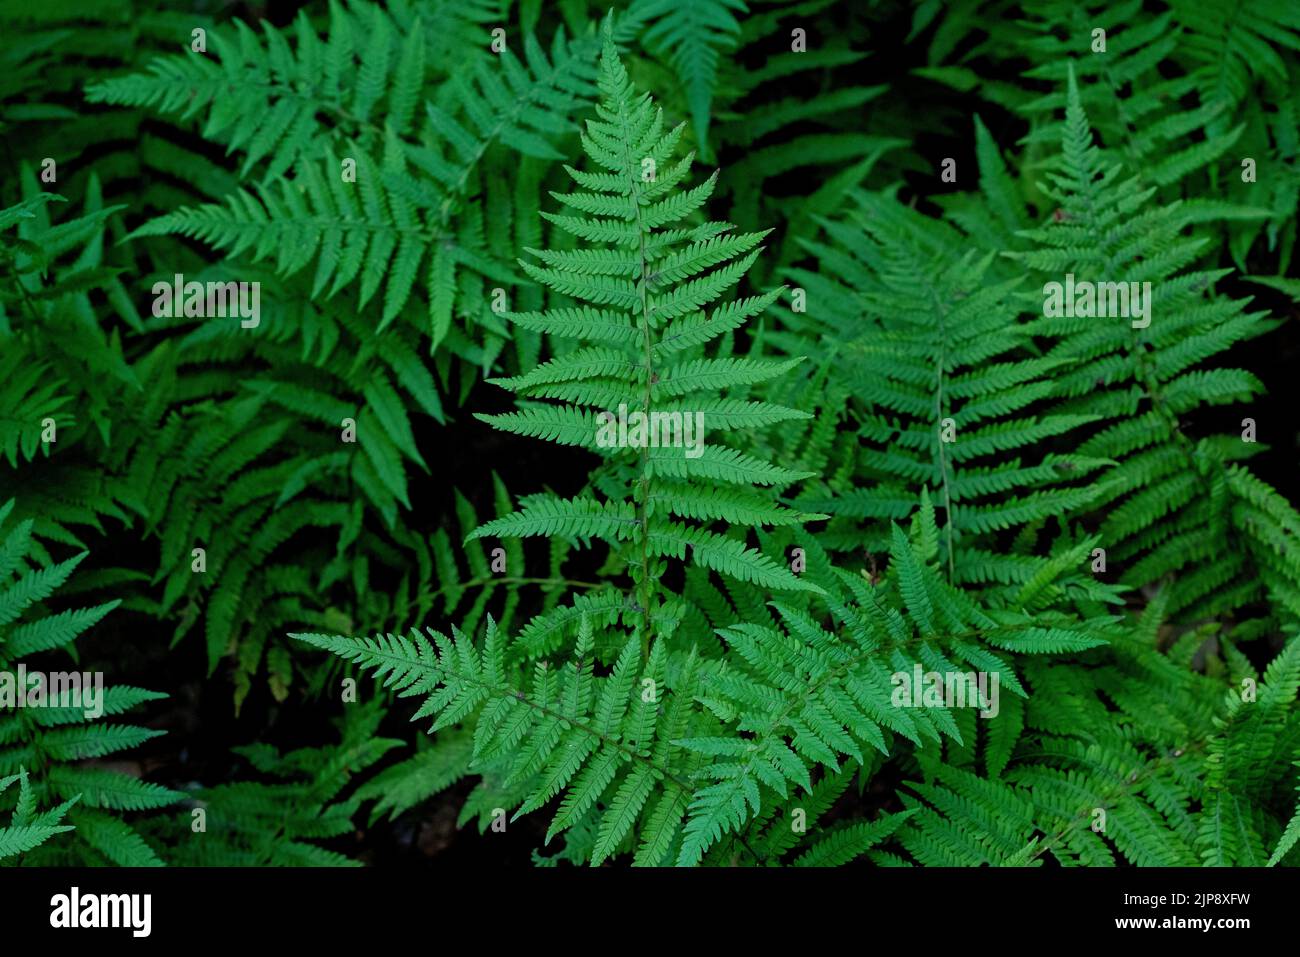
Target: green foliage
(691,36)
(808,431)
(1178,785)
(62,735)
(949,389)
(278,822)
(1171,500)
(27,829)
(643,277)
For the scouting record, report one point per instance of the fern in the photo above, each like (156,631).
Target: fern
(646,284)
(27,829)
(692,36)
(56,740)
(262,99)
(1171,498)
(361,218)
(1095,775)
(283,821)
(686,651)
(630,753)
(950,387)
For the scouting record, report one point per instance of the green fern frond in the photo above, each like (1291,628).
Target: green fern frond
(649,280)
(693,36)
(1143,376)
(27,829)
(54,736)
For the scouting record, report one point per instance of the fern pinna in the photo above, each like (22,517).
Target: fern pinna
(28,829)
